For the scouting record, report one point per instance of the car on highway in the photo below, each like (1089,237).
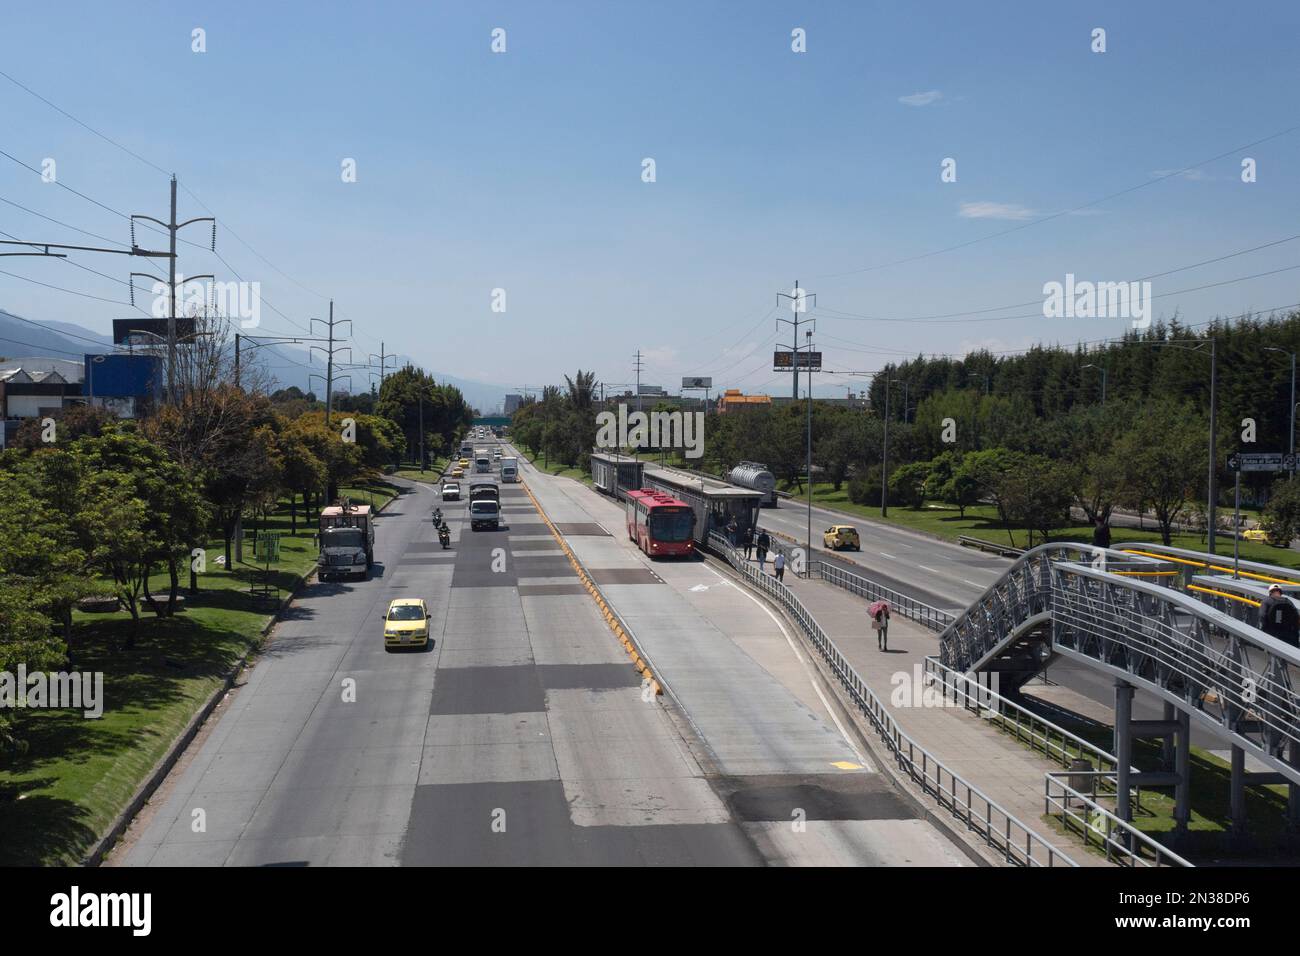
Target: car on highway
(841,536)
(464,463)
(407,623)
(450,491)
(484,513)
(458,472)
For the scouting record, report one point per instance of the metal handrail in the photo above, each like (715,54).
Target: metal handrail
(1039,731)
(1127,849)
(981,814)
(918,611)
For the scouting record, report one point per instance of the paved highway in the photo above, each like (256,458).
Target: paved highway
(521,736)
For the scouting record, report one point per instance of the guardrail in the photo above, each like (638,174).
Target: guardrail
(918,611)
(1123,843)
(1007,551)
(1028,727)
(1017,843)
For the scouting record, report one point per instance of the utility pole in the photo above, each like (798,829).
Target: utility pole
(172,227)
(1213,483)
(329,351)
(638,380)
(383,363)
(808,336)
(884,458)
(798,305)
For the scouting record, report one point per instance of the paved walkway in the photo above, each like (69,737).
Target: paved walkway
(1008,772)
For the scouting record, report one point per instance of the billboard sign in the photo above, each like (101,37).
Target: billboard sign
(803,360)
(697,382)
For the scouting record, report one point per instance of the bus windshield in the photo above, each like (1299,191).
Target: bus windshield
(673,526)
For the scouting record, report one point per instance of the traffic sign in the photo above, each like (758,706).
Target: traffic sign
(1261,461)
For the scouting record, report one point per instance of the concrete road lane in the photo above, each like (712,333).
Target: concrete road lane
(780,753)
(520,737)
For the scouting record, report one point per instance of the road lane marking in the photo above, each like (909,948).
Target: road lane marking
(972,583)
(800,658)
(889,556)
(931,570)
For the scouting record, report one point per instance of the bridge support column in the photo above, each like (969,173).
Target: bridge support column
(1168,748)
(1293,791)
(1237,800)
(1183,768)
(1123,748)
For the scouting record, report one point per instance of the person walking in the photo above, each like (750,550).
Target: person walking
(778,565)
(748,539)
(764,542)
(1101,534)
(731,532)
(879,611)
(1278,617)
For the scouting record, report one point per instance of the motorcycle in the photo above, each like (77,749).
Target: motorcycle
(437,517)
(444,537)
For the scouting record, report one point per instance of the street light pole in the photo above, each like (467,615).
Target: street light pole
(808,338)
(1291,440)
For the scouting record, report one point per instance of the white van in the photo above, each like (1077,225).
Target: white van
(484,513)
(483,465)
(509,469)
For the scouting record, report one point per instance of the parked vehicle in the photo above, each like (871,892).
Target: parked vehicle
(347,540)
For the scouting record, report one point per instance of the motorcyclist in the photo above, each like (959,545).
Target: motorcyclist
(437,517)
(444,534)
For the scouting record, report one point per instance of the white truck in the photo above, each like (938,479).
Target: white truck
(509,469)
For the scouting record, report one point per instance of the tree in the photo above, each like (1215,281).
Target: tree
(1281,516)
(1163,460)
(116,525)
(907,484)
(986,469)
(302,471)
(1036,493)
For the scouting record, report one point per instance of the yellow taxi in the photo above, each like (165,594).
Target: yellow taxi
(840,536)
(406,624)
(1255,534)
(464,463)
(458,472)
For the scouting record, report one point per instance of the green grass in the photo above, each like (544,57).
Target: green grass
(431,474)
(78,774)
(555,468)
(981,521)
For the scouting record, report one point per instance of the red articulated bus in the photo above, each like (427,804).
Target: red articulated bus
(660,524)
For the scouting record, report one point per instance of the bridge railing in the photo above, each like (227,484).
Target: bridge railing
(983,816)
(899,603)
(1122,843)
(1026,726)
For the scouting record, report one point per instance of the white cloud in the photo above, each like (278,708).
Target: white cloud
(921,99)
(995,210)
(663,355)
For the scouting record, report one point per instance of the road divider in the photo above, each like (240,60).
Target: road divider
(616,624)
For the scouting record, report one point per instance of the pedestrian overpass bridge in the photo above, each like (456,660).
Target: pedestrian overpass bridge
(1172,622)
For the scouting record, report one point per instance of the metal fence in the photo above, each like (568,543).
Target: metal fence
(1026,726)
(1121,842)
(899,603)
(1017,843)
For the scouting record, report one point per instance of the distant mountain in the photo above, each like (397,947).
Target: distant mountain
(56,339)
(288,364)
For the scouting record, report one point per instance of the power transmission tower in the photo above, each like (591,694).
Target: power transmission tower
(638,365)
(798,305)
(383,362)
(329,351)
(172,227)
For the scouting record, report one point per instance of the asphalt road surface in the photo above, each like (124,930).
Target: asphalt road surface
(521,736)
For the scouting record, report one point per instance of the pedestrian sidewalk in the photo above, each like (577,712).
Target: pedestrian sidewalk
(1007,772)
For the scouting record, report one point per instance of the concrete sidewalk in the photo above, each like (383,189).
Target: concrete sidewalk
(1008,772)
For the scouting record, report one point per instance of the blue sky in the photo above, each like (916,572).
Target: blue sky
(522,170)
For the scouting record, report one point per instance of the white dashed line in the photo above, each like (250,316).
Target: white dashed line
(889,556)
